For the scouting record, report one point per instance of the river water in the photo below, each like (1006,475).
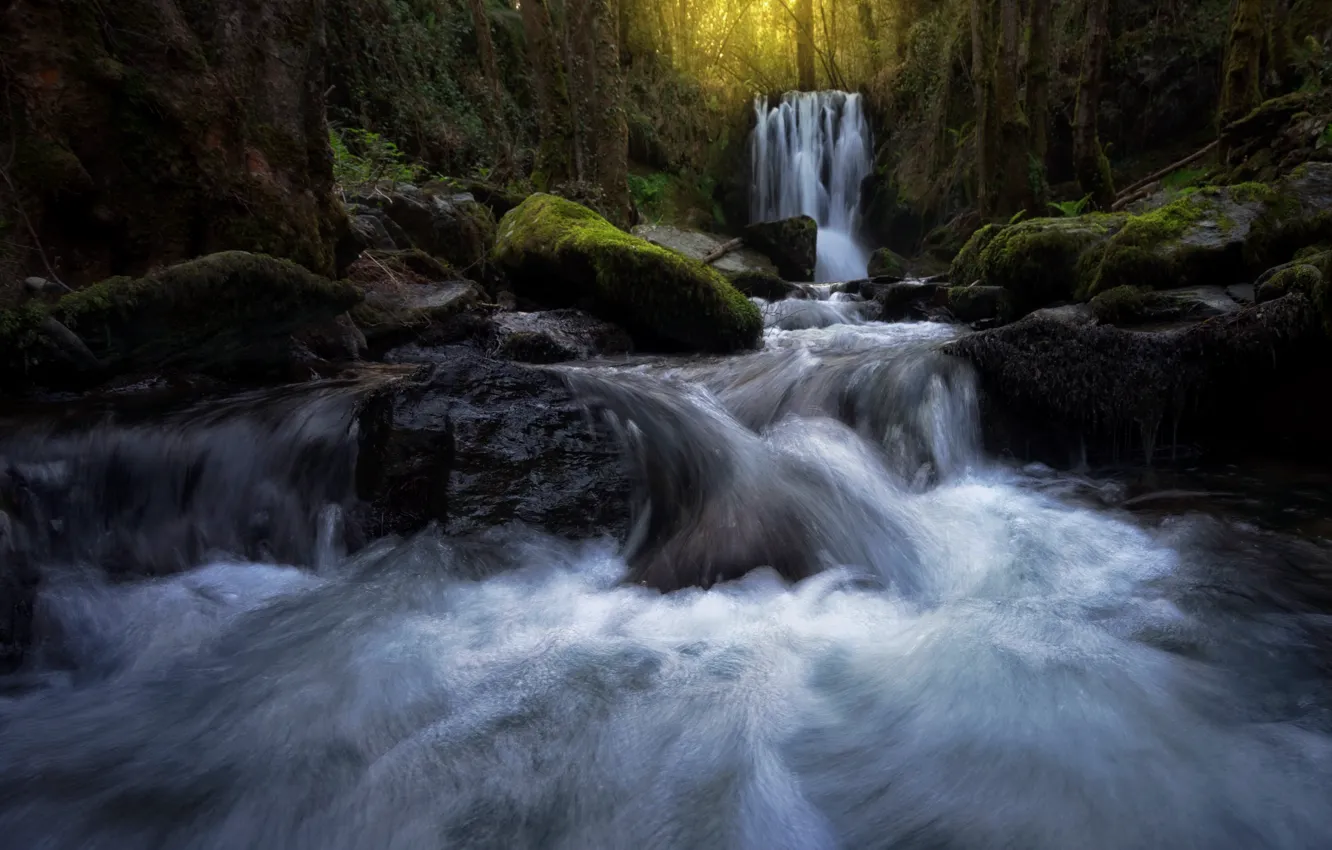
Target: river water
(979,655)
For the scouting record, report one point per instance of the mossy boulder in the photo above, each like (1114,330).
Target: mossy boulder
(1038,261)
(217,312)
(979,303)
(886,262)
(791,243)
(561,254)
(1298,216)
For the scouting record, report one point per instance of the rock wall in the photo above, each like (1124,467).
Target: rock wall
(143,132)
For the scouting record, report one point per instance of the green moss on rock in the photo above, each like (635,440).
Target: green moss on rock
(791,243)
(562,254)
(1039,261)
(886,262)
(202,313)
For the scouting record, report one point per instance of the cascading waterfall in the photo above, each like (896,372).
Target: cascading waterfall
(809,155)
(972,660)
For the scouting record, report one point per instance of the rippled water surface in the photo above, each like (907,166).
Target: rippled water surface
(978,656)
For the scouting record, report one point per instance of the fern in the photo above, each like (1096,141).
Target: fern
(362,158)
(1071,209)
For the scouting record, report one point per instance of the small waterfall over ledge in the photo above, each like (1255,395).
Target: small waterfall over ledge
(809,155)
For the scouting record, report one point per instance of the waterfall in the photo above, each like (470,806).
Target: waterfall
(809,155)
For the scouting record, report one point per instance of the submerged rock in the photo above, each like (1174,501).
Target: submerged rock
(225,311)
(474,442)
(791,243)
(561,254)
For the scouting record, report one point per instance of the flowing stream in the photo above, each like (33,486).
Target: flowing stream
(979,656)
(809,155)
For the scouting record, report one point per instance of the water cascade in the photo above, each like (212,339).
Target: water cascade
(809,154)
(977,655)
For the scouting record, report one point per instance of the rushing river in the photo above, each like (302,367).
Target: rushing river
(980,655)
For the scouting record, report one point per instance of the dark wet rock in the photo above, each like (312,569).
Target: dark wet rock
(474,442)
(444,223)
(336,339)
(394,314)
(554,336)
(791,243)
(1131,305)
(898,301)
(1059,378)
(768,288)
(560,254)
(225,312)
(887,263)
(979,303)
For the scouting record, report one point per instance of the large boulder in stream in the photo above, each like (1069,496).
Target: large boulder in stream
(1059,383)
(791,243)
(561,254)
(225,311)
(1213,236)
(471,442)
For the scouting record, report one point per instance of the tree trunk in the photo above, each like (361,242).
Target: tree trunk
(869,28)
(1038,98)
(1011,165)
(494,88)
(609,127)
(554,163)
(980,85)
(1089,161)
(579,54)
(1241,76)
(805,45)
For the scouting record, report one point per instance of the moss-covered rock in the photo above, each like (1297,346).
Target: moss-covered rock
(1298,215)
(1198,238)
(1123,305)
(561,254)
(217,312)
(886,262)
(979,303)
(791,243)
(1294,277)
(202,313)
(1039,261)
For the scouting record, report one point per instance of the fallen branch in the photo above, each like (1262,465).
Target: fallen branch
(1136,191)
(722,250)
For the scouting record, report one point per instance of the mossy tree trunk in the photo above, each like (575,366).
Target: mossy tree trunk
(1011,160)
(804,12)
(1241,74)
(1089,160)
(869,28)
(981,85)
(554,157)
(145,132)
(1038,99)
(610,128)
(494,87)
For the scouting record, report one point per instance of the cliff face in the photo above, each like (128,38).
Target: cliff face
(144,132)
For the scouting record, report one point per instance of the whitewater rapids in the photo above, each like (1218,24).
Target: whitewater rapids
(977,660)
